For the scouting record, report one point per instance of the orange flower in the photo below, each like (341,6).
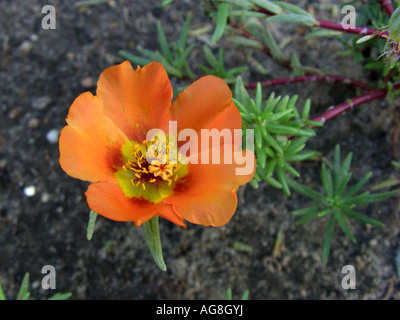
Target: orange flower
(105,143)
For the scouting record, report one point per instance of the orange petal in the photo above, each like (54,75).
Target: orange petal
(202,103)
(207,194)
(230,119)
(136,100)
(108,200)
(211,209)
(206,105)
(90,145)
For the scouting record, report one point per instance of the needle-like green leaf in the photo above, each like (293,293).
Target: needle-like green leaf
(210,57)
(184,33)
(245,295)
(163,42)
(328,238)
(91,224)
(326,178)
(306,191)
(61,296)
(228,295)
(152,235)
(307,217)
(306,110)
(261,157)
(353,190)
(282,178)
(164,3)
(133,58)
(221,19)
(23,290)
(362,217)
(258,100)
(340,218)
(2,294)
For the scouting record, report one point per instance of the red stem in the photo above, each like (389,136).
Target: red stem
(327,78)
(338,26)
(387,4)
(337,110)
(355,29)
(334,111)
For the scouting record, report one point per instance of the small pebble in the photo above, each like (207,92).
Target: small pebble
(45,197)
(13,113)
(26,47)
(88,82)
(41,103)
(3,163)
(30,191)
(34,37)
(52,136)
(33,123)
(70,55)
(35,284)
(373,242)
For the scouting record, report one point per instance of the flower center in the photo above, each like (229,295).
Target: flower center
(150,163)
(151,169)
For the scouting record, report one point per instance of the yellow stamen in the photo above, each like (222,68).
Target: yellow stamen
(156,169)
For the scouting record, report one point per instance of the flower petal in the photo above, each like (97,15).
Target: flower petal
(207,194)
(211,209)
(206,107)
(202,103)
(90,145)
(108,200)
(136,100)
